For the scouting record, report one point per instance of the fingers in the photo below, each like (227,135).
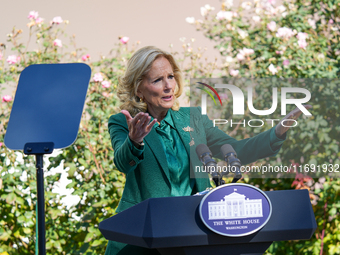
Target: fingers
(127,115)
(289,120)
(297,112)
(139,126)
(140,119)
(144,121)
(149,127)
(307,106)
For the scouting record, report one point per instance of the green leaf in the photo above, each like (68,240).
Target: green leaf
(332,211)
(89,237)
(11,197)
(307,147)
(72,169)
(21,219)
(83,162)
(55,213)
(97,242)
(57,245)
(27,231)
(4,236)
(49,245)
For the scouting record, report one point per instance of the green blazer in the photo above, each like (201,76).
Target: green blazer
(148,175)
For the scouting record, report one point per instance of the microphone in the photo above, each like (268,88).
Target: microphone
(205,156)
(231,158)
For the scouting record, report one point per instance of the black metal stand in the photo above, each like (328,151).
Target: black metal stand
(46,117)
(39,149)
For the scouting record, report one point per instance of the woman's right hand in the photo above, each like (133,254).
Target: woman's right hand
(139,126)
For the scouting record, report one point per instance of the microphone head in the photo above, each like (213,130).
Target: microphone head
(201,149)
(226,149)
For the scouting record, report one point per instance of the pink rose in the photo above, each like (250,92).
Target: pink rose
(284,32)
(244,53)
(234,72)
(106,84)
(32,15)
(85,57)
(302,44)
(223,96)
(124,39)
(12,59)
(248,52)
(272,2)
(6,98)
(331,21)
(1,144)
(221,15)
(0,55)
(285,62)
(240,56)
(312,23)
(105,94)
(58,43)
(39,20)
(302,36)
(97,77)
(271,26)
(280,52)
(57,20)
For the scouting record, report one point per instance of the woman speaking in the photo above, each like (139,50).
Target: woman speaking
(153,138)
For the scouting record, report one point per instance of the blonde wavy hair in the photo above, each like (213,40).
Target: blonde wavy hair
(137,68)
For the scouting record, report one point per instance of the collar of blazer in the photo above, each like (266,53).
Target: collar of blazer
(181,120)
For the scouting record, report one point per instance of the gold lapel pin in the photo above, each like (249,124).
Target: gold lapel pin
(189,129)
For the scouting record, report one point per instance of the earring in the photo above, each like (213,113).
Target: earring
(141,99)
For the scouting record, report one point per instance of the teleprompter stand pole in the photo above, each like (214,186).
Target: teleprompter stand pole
(39,149)
(41,204)
(51,116)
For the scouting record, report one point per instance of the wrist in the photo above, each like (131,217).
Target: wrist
(138,145)
(281,134)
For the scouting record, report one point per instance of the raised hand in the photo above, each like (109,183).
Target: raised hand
(293,115)
(139,126)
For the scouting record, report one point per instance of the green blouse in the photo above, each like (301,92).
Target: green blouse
(177,157)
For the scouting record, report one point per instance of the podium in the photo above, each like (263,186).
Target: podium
(172,225)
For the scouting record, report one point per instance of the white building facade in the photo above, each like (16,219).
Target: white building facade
(235,206)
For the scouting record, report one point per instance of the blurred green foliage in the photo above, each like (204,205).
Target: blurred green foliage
(92,176)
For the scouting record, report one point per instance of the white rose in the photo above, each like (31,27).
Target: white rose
(190,20)
(272,69)
(243,34)
(229,3)
(257,19)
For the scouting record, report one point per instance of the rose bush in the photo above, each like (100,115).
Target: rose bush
(260,39)
(291,39)
(88,162)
